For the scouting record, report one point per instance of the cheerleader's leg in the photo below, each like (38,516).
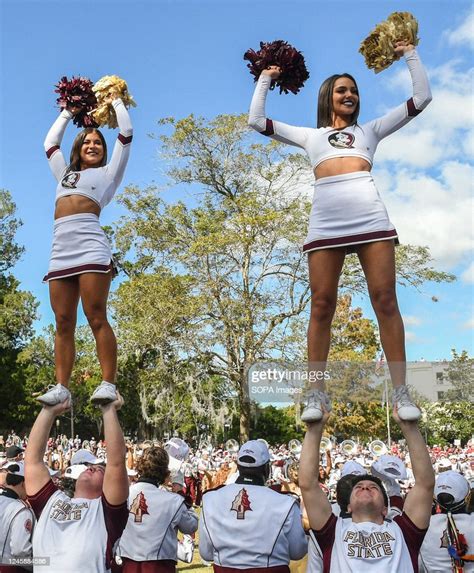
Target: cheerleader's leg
(378,263)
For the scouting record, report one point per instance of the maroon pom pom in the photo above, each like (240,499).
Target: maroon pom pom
(281,54)
(77,92)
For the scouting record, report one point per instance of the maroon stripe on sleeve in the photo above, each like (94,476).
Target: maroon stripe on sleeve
(412,111)
(40,499)
(269,128)
(51,150)
(124,140)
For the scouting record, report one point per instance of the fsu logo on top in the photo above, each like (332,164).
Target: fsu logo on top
(70,180)
(241,504)
(341,140)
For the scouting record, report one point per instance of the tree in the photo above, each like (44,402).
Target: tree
(238,247)
(448,421)
(17,314)
(460,374)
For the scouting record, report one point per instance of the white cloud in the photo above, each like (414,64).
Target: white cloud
(410,320)
(410,336)
(423,170)
(469,324)
(463,34)
(468,275)
(432,210)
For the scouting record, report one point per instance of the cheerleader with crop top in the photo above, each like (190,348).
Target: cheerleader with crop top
(340,217)
(74,251)
(81,264)
(348,214)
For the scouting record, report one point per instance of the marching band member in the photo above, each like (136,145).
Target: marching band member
(246,525)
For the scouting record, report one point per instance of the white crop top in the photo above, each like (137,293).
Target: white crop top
(352,141)
(96,183)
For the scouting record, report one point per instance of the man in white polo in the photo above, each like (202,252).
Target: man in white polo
(246,525)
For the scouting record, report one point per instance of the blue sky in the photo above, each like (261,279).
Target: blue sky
(182,57)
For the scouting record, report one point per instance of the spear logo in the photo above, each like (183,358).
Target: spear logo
(241,504)
(139,507)
(444,539)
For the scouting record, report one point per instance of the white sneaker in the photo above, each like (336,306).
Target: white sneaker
(104,394)
(313,411)
(54,395)
(407,410)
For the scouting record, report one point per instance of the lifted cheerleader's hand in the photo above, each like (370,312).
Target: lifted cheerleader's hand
(401,47)
(273,71)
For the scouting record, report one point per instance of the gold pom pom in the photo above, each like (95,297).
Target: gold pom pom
(106,90)
(378,47)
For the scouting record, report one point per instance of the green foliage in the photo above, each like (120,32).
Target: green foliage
(276,425)
(10,252)
(460,373)
(17,313)
(446,422)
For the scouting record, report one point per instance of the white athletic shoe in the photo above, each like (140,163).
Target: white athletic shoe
(104,394)
(407,410)
(54,395)
(313,411)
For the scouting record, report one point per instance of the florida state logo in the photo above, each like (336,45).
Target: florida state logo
(70,180)
(139,507)
(241,504)
(341,140)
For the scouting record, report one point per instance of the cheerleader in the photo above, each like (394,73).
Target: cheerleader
(348,214)
(81,265)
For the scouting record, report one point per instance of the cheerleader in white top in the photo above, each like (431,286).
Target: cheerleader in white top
(81,265)
(348,214)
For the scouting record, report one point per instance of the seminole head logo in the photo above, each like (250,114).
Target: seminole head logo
(341,140)
(70,180)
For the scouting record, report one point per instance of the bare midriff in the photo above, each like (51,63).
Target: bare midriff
(74,205)
(341,166)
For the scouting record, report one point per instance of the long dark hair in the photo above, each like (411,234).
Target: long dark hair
(325,108)
(75,157)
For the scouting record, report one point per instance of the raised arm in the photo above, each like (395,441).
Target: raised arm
(115,486)
(121,152)
(52,144)
(418,502)
(275,129)
(421,97)
(36,473)
(316,502)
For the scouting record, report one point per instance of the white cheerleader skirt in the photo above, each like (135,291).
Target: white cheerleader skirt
(79,246)
(347,211)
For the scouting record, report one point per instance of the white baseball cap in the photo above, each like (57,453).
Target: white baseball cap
(454,483)
(390,467)
(15,468)
(85,457)
(177,448)
(353,468)
(253,454)
(75,471)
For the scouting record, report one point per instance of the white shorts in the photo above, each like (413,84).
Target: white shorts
(347,211)
(79,246)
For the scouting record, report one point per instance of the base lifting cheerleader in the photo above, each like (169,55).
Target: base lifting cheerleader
(81,265)
(348,214)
